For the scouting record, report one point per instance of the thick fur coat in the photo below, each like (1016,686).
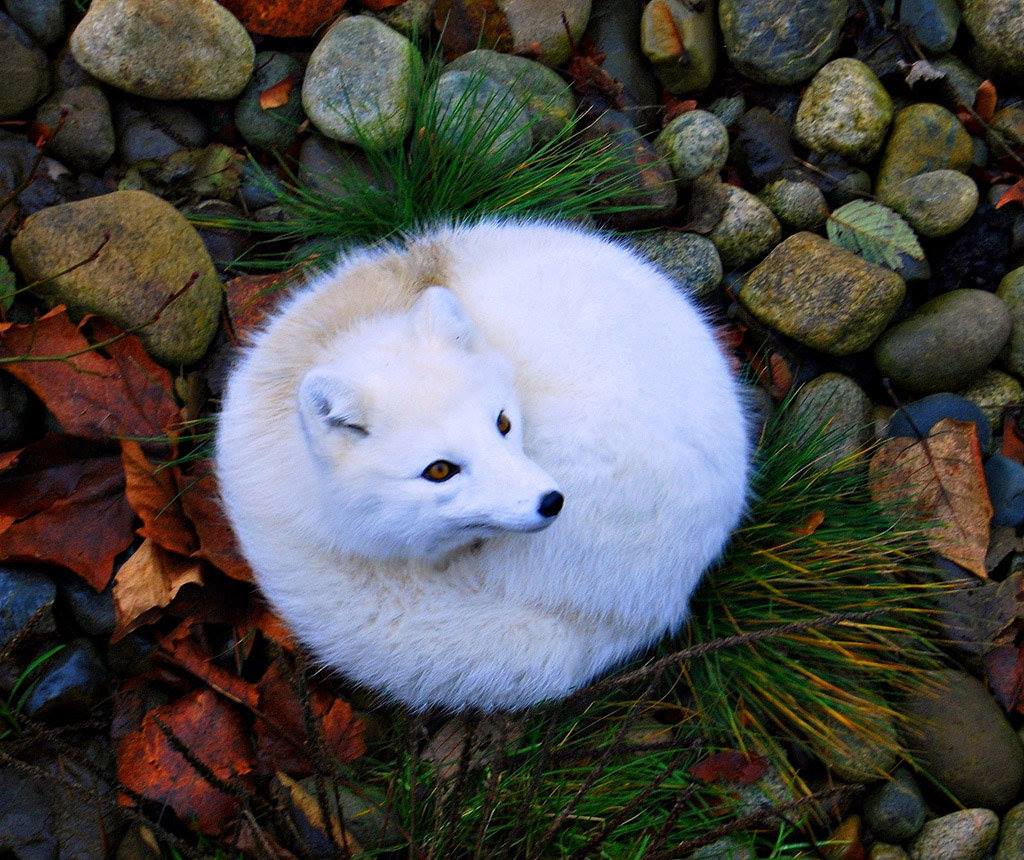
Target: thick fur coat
(532,359)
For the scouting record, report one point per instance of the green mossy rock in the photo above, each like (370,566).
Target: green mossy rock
(992,392)
(997,27)
(1011,291)
(747,231)
(694,143)
(152,253)
(936,203)
(925,137)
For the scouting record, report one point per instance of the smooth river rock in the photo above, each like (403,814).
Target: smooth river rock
(924,137)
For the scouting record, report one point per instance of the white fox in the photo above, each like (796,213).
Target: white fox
(478,469)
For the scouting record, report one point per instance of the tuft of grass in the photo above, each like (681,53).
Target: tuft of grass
(12,706)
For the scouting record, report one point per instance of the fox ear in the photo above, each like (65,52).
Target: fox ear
(437,312)
(329,401)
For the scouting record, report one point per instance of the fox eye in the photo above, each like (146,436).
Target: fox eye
(504,425)
(440,471)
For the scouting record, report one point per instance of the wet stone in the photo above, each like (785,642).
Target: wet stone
(25,594)
(71,684)
(964,835)
(895,810)
(691,261)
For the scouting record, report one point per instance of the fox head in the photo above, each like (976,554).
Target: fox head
(418,439)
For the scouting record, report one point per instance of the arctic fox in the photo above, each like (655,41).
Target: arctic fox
(480,468)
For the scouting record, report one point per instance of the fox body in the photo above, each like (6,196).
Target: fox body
(478,469)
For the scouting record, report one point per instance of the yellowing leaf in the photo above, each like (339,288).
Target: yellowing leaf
(942,481)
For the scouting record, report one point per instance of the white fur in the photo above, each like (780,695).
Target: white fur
(455,594)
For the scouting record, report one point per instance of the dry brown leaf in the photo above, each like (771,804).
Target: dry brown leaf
(277,95)
(153,495)
(149,579)
(811,524)
(310,813)
(941,481)
(200,498)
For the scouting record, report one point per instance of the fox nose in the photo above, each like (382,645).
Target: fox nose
(551,504)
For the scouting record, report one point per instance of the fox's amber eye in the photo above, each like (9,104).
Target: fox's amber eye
(504,425)
(440,470)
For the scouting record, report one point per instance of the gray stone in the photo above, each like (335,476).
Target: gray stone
(25,594)
(729,109)
(411,18)
(839,404)
(936,203)
(780,41)
(43,20)
(26,822)
(272,127)
(822,295)
(1011,291)
(694,143)
(747,231)
(961,737)
(680,41)
(1006,129)
(762,148)
(992,392)
(895,810)
(1005,481)
(915,420)
(24,70)
(864,755)
(614,30)
(358,86)
(961,83)
(925,137)
(846,110)
(964,835)
(997,27)
(797,203)
(946,343)
(691,261)
(885,851)
(545,95)
(85,139)
(1011,835)
(71,683)
(92,611)
(932,22)
(149,131)
(163,49)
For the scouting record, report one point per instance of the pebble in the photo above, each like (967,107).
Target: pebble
(1006,129)
(936,203)
(275,127)
(151,131)
(1011,291)
(780,42)
(822,295)
(885,851)
(915,420)
(614,30)
(855,757)
(747,231)
(1005,480)
(26,822)
(924,137)
(151,253)
(72,682)
(43,20)
(961,82)
(24,592)
(163,49)
(932,22)
(548,99)
(358,83)
(762,146)
(834,401)
(729,109)
(964,835)
(694,143)
(797,203)
(1011,835)
(997,27)
(260,186)
(225,245)
(846,110)
(680,41)
(85,140)
(411,18)
(691,261)
(946,343)
(24,69)
(92,611)
(992,392)
(324,164)
(895,810)
(962,738)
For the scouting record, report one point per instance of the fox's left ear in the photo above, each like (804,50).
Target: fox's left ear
(438,313)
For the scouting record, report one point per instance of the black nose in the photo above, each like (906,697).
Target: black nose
(551,504)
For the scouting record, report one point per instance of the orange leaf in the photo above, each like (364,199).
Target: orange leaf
(811,524)
(1013,194)
(284,17)
(251,297)
(217,545)
(939,480)
(149,579)
(181,647)
(277,95)
(212,731)
(153,495)
(985,100)
(1013,443)
(677,107)
(731,766)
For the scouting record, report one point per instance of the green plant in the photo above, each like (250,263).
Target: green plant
(12,706)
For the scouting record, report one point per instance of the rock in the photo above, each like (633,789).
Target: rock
(1005,480)
(884,851)
(471,104)
(855,758)
(997,27)
(962,81)
(1011,291)
(780,42)
(822,295)
(694,143)
(839,181)
(151,254)
(845,109)
(762,146)
(85,136)
(748,229)
(614,30)
(726,848)
(935,203)
(1011,835)
(895,810)
(545,95)
(24,70)
(946,343)
(226,246)
(1006,129)
(358,84)
(680,41)
(963,835)
(72,682)
(925,137)
(840,403)
(92,612)
(533,27)
(273,127)
(797,203)
(26,823)
(729,109)
(149,131)
(260,187)
(932,22)
(961,737)
(327,167)
(131,655)
(992,392)
(163,49)
(18,413)
(691,261)
(25,594)
(43,20)
(915,420)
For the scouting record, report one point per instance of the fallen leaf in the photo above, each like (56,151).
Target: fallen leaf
(284,17)
(309,815)
(919,71)
(212,730)
(939,480)
(489,734)
(154,496)
(251,297)
(277,95)
(468,24)
(811,524)
(381,5)
(589,77)
(731,766)
(149,579)
(181,647)
(271,626)
(200,499)
(985,101)
(1013,194)
(976,617)
(1004,671)
(62,502)
(117,393)
(1013,439)
(677,107)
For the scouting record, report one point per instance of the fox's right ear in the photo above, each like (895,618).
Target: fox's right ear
(328,400)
